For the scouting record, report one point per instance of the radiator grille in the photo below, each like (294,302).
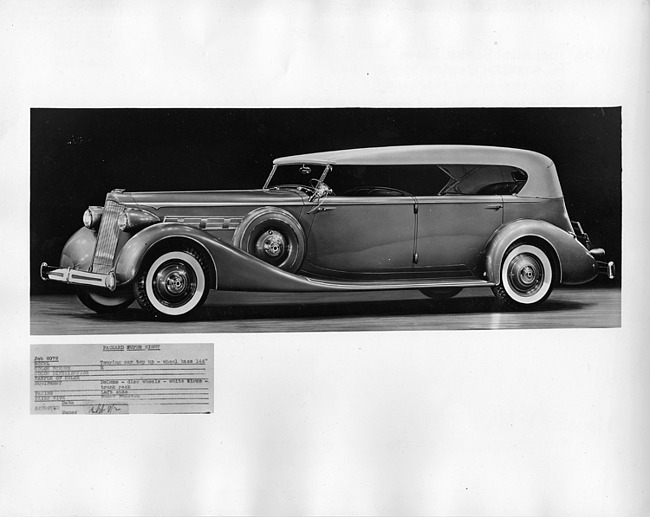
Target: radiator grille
(107,239)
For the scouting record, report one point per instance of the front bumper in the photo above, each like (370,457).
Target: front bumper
(75,277)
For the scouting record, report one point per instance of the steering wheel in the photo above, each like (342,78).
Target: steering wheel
(323,187)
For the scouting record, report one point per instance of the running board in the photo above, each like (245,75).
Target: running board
(384,285)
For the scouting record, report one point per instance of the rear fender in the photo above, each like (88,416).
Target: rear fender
(575,264)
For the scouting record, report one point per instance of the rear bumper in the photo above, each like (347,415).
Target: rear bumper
(607,268)
(75,277)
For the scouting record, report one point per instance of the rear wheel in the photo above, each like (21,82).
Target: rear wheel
(173,284)
(527,277)
(105,302)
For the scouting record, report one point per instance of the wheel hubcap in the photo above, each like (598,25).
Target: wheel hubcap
(526,274)
(271,244)
(174,284)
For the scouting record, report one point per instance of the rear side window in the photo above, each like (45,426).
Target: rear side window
(387,180)
(425,180)
(483,180)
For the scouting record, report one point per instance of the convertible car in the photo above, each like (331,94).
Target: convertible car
(438,218)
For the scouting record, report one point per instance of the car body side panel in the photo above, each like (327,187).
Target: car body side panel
(551,210)
(577,265)
(453,230)
(360,235)
(239,271)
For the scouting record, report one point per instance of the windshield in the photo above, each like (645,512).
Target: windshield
(295,176)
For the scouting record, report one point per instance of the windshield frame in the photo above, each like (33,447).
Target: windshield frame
(321,179)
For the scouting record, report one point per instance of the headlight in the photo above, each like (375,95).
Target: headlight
(122,221)
(135,219)
(92,216)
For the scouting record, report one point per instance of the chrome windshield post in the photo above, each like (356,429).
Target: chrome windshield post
(268,180)
(326,170)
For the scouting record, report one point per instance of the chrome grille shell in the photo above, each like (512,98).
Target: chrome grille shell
(107,238)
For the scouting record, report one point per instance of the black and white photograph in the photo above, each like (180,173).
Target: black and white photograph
(407,220)
(324,258)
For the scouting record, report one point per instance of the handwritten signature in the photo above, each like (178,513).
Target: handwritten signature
(101,409)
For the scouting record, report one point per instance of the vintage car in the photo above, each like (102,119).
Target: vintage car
(438,218)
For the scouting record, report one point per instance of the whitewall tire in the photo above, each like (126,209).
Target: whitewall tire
(174,284)
(527,276)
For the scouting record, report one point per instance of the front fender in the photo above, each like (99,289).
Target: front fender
(235,270)
(576,265)
(132,255)
(79,250)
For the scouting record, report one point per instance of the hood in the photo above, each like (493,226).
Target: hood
(208,198)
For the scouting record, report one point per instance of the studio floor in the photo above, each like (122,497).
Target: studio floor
(593,306)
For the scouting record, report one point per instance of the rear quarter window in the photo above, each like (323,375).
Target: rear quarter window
(483,180)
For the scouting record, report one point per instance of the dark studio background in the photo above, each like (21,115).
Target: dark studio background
(78,155)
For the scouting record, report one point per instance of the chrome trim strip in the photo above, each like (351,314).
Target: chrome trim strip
(372,285)
(176,204)
(206,222)
(459,199)
(365,201)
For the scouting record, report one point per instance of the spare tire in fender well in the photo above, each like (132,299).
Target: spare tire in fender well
(273,235)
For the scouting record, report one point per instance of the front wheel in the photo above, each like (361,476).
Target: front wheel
(173,285)
(106,302)
(527,277)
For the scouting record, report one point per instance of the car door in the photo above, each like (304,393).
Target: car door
(452,232)
(360,235)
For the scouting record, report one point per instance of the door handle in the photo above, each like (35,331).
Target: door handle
(494,207)
(321,209)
